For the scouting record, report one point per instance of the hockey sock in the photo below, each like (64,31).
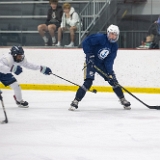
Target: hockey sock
(45,39)
(118,91)
(17,91)
(82,90)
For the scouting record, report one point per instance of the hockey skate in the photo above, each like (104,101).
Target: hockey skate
(21,104)
(74,105)
(125,103)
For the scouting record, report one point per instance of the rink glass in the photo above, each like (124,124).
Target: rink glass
(19,20)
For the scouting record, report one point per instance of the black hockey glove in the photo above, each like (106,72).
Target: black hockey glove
(16,69)
(45,70)
(1,95)
(112,79)
(90,60)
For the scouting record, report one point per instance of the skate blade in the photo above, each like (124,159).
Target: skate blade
(127,108)
(21,106)
(72,109)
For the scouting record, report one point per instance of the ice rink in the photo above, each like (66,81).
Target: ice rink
(99,130)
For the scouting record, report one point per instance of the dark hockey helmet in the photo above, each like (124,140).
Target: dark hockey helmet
(18,53)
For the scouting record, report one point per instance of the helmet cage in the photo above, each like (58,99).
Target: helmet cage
(113,29)
(15,51)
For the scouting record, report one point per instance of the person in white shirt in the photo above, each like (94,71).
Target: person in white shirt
(11,63)
(70,21)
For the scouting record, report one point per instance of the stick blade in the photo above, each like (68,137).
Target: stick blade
(154,107)
(5,121)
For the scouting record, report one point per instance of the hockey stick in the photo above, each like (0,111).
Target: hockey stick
(6,119)
(150,107)
(93,91)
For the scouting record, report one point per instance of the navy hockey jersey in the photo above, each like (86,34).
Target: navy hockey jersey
(105,52)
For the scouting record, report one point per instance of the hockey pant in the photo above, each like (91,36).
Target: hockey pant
(9,80)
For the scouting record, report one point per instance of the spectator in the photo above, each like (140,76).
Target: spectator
(52,23)
(146,43)
(155,30)
(153,37)
(70,21)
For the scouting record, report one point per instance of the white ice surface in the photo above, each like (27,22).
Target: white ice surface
(99,130)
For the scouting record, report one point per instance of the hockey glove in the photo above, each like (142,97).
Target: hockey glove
(1,95)
(16,69)
(45,70)
(91,59)
(112,79)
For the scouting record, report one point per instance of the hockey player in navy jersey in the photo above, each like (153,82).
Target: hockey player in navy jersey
(100,50)
(11,63)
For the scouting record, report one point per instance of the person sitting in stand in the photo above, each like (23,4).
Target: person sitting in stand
(153,37)
(52,23)
(155,30)
(70,21)
(146,42)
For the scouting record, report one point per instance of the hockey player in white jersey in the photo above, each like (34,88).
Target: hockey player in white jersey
(11,63)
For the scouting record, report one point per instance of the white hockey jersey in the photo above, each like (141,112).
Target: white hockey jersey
(7,61)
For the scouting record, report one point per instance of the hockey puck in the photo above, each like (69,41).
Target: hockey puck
(94,91)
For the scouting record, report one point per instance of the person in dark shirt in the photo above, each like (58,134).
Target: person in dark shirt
(100,50)
(154,30)
(52,23)
(151,41)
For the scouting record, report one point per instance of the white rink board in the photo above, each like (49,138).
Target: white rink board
(134,68)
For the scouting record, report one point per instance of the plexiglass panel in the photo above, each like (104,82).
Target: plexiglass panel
(19,20)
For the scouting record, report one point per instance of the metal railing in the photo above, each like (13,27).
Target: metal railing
(90,13)
(41,2)
(131,38)
(22,16)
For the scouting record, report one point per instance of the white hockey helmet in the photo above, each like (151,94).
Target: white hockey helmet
(113,29)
